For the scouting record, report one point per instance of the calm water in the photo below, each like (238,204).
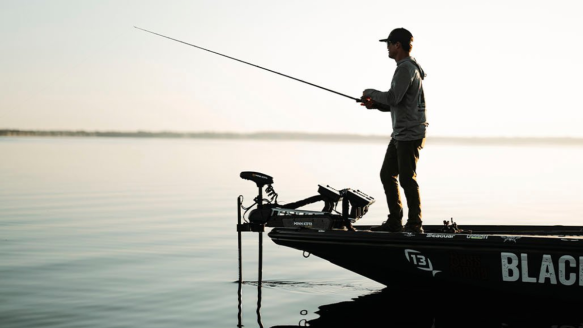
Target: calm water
(98,232)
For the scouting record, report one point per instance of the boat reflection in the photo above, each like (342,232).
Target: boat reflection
(391,309)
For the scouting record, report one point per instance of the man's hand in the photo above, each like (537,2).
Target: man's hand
(367,102)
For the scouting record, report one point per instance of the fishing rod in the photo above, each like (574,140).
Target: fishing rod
(244,62)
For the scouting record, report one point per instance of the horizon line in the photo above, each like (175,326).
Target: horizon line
(279,135)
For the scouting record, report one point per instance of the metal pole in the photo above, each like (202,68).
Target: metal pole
(240,290)
(260,276)
(260,279)
(239,238)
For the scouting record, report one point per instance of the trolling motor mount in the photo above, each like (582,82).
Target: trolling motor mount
(355,204)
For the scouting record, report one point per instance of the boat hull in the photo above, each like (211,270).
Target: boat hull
(529,261)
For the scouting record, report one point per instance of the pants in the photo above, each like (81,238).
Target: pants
(401,163)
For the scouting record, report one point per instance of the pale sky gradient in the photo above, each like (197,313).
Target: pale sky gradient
(494,68)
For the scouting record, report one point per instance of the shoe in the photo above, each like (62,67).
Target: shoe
(349,227)
(388,227)
(345,227)
(417,228)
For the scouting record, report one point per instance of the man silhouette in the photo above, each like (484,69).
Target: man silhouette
(405,101)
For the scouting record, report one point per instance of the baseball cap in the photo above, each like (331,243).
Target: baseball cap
(399,35)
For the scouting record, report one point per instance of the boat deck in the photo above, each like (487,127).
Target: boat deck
(556,231)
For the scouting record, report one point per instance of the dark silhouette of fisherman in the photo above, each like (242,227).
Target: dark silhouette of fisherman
(405,101)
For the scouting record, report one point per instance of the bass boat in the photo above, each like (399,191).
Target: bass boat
(531,261)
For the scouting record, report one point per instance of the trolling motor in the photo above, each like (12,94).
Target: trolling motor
(270,213)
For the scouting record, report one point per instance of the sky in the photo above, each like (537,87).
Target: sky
(494,68)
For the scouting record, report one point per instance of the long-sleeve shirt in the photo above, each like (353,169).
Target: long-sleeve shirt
(406,101)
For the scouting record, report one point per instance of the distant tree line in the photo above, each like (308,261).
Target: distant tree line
(289,136)
(200,135)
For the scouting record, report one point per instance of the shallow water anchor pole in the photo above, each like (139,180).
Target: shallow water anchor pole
(239,203)
(240,290)
(260,279)
(260,268)
(260,259)
(260,229)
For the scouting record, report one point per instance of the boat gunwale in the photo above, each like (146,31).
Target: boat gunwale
(434,239)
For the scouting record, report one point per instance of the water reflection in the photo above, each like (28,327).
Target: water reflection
(391,309)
